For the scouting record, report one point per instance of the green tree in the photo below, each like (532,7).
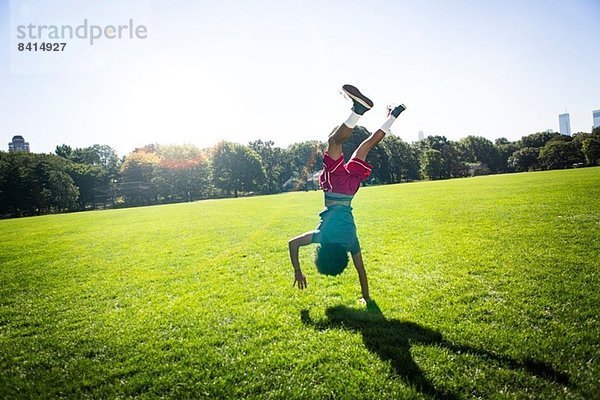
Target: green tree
(59,192)
(236,168)
(13,197)
(524,159)
(477,149)
(403,159)
(35,184)
(452,165)
(102,156)
(560,153)
(306,159)
(138,172)
(591,149)
(181,173)
(93,167)
(64,151)
(87,178)
(505,149)
(580,137)
(379,158)
(277,167)
(537,140)
(432,164)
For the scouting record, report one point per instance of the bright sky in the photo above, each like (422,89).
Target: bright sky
(242,70)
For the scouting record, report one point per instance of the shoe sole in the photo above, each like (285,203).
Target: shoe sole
(356,95)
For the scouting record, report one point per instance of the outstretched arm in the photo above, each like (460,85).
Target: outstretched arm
(362,275)
(294,246)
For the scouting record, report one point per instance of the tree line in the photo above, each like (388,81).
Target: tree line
(95,177)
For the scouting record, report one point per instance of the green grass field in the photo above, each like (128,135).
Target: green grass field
(484,287)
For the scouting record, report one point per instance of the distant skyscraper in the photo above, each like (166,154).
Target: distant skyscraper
(18,144)
(421,135)
(565,124)
(596,114)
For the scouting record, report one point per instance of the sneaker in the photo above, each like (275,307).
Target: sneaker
(396,111)
(361,103)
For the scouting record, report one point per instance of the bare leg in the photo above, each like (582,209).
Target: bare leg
(360,105)
(367,144)
(336,139)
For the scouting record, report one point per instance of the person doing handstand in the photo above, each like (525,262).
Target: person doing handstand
(336,233)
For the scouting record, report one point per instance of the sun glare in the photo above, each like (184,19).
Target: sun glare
(173,104)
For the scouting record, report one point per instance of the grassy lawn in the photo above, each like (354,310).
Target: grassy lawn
(485,288)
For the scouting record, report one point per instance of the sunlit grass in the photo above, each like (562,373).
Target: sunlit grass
(487,287)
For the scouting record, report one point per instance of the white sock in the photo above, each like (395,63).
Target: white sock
(352,120)
(388,124)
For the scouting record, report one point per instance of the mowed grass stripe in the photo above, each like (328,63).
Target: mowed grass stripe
(488,287)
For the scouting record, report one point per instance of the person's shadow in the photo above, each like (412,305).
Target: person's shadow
(391,339)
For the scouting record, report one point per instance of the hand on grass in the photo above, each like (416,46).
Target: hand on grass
(300,279)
